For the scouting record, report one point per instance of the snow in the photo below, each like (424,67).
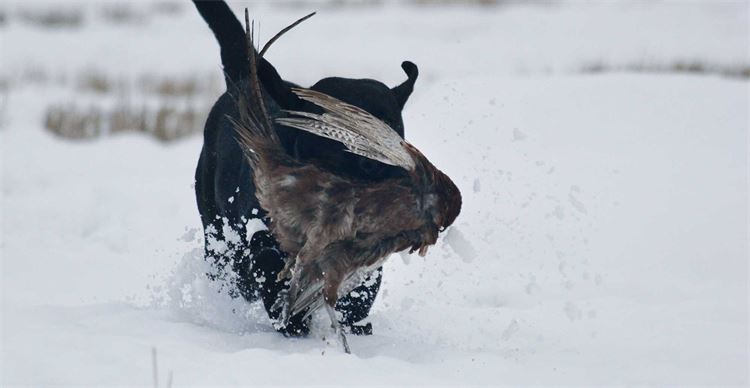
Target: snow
(460,244)
(607,245)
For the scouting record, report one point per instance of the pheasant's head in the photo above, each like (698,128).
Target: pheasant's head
(449,200)
(446,208)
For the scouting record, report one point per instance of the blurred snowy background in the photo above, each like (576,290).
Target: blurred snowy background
(601,148)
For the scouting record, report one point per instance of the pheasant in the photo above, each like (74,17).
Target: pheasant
(337,230)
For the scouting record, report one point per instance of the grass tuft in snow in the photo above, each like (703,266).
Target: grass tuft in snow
(678,67)
(53,18)
(165,123)
(122,13)
(165,108)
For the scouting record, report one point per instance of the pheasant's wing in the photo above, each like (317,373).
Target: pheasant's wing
(309,297)
(304,293)
(362,133)
(311,276)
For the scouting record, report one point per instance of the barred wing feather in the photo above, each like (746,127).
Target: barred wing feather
(360,132)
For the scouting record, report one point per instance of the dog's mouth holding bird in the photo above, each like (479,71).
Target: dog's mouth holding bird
(336,229)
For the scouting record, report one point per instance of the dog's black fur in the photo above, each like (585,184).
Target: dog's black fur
(224,181)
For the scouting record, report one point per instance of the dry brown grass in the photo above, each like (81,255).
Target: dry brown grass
(122,13)
(94,81)
(457,2)
(324,4)
(184,87)
(166,108)
(680,67)
(4,87)
(164,123)
(66,15)
(168,7)
(57,17)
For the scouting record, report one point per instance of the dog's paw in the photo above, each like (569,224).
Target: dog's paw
(365,329)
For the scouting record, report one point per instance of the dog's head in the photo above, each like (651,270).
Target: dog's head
(373,96)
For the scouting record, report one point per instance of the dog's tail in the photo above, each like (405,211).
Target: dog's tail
(231,37)
(234,53)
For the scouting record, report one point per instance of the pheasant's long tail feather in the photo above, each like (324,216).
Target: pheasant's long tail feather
(254,128)
(362,133)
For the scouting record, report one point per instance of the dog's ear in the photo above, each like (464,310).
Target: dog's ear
(403,91)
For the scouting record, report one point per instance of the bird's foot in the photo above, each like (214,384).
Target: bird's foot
(337,328)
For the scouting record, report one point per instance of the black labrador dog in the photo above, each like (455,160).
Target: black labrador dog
(224,185)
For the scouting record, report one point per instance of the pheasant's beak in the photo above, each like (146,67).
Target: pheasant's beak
(423,250)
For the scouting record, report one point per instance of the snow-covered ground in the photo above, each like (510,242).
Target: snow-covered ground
(603,238)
